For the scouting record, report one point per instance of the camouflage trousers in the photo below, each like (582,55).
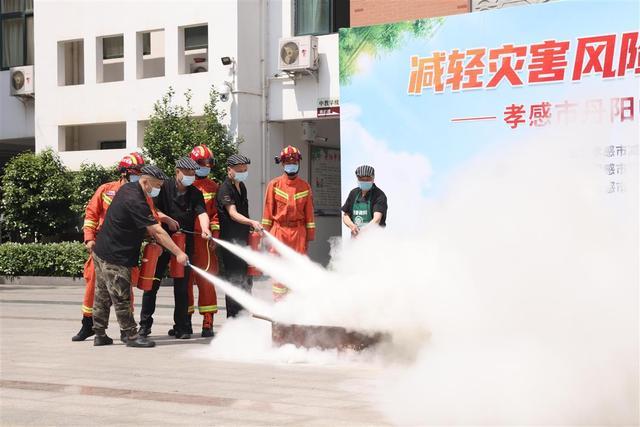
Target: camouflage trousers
(113,288)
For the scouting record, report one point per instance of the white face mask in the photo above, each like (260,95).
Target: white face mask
(134,178)
(154,192)
(187,180)
(203,171)
(241,176)
(291,169)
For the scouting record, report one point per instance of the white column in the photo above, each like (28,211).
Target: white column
(172,51)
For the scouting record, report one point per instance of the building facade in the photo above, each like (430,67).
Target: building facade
(100,66)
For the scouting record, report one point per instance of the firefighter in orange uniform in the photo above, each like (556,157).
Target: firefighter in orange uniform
(288,209)
(129,168)
(204,255)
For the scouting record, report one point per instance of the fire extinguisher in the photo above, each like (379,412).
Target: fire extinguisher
(135,275)
(254,243)
(148,268)
(176,270)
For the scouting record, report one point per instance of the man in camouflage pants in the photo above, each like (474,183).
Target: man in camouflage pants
(113,287)
(129,218)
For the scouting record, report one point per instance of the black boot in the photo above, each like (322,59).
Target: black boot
(144,331)
(85,331)
(141,342)
(207,332)
(123,336)
(102,340)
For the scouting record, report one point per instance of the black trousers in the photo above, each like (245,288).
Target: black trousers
(180,295)
(235,271)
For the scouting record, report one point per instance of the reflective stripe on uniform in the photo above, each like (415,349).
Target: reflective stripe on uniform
(311,225)
(301,195)
(266,221)
(279,289)
(90,224)
(208,308)
(214,226)
(208,196)
(88,310)
(190,309)
(281,193)
(106,199)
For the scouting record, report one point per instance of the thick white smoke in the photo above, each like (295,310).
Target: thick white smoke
(512,300)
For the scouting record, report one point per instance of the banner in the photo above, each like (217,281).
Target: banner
(420,98)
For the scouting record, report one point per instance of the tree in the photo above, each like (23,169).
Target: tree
(37,192)
(86,181)
(217,136)
(173,131)
(376,39)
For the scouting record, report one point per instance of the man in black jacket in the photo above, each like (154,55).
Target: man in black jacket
(235,225)
(178,205)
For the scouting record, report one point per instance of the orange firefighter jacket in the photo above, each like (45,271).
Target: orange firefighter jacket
(97,208)
(288,212)
(209,189)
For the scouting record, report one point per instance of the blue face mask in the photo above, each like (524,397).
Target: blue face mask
(187,180)
(365,185)
(241,176)
(154,192)
(203,171)
(134,178)
(291,169)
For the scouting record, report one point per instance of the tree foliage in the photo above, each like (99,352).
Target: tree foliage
(173,131)
(86,181)
(376,39)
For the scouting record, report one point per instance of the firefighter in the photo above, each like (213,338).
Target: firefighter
(204,255)
(288,209)
(129,168)
(366,204)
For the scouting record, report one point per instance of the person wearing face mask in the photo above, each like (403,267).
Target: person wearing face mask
(204,255)
(179,205)
(130,217)
(235,225)
(288,209)
(95,213)
(366,204)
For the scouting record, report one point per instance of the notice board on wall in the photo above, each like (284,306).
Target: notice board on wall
(325,180)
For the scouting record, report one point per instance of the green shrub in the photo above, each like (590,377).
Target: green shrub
(49,259)
(86,181)
(36,199)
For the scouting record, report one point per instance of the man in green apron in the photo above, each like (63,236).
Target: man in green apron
(366,204)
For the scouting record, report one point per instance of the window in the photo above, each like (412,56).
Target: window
(318,17)
(16,33)
(146,43)
(196,37)
(70,62)
(193,49)
(150,55)
(110,58)
(113,47)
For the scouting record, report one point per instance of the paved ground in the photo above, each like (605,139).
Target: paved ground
(48,380)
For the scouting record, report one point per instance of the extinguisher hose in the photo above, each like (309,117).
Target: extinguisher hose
(208,251)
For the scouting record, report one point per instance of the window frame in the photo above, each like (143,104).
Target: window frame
(332,18)
(106,57)
(197,47)
(22,14)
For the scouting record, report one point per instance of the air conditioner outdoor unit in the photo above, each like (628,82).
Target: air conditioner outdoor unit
(298,54)
(21,81)
(199,67)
